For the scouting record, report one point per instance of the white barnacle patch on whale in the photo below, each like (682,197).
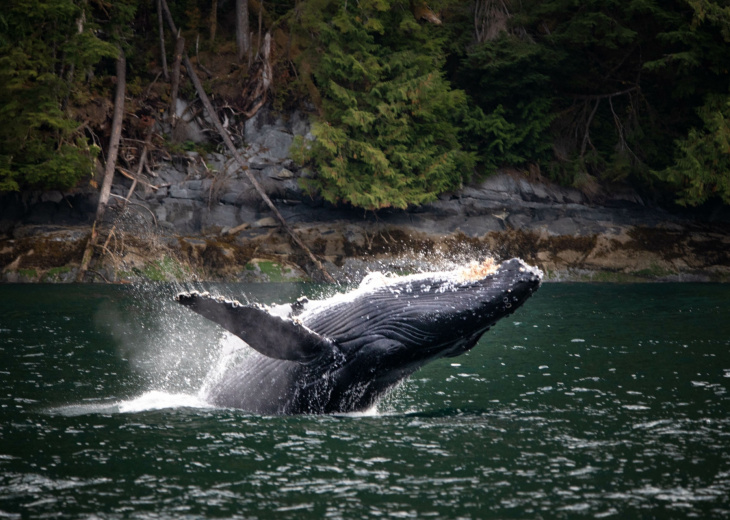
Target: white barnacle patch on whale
(477,271)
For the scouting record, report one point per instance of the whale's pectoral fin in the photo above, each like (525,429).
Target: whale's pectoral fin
(270,335)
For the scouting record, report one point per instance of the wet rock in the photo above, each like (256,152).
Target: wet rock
(183,215)
(564,226)
(219,216)
(299,123)
(168,174)
(52,196)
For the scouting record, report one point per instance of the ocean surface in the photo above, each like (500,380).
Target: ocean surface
(591,401)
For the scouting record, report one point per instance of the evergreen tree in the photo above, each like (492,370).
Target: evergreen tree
(599,87)
(508,81)
(388,133)
(702,161)
(46,49)
(702,167)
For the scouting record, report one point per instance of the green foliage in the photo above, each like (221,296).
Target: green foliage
(592,91)
(388,135)
(702,167)
(46,48)
(507,79)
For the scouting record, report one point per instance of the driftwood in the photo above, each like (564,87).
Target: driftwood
(142,161)
(111,161)
(135,179)
(236,229)
(231,147)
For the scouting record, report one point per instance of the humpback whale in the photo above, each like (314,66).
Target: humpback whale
(344,353)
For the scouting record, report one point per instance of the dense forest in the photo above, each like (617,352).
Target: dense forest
(409,98)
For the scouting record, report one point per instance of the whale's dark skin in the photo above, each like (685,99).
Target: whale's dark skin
(343,354)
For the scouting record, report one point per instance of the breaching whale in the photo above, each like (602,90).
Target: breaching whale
(344,353)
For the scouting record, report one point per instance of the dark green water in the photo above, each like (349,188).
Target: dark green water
(592,401)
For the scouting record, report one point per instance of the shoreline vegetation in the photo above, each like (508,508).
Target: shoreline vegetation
(253,140)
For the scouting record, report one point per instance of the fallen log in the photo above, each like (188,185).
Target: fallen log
(111,162)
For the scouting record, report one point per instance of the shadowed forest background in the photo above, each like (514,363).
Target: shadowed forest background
(410,99)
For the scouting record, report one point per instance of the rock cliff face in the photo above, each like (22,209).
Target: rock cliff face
(200,219)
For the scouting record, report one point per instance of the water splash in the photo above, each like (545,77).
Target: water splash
(162,342)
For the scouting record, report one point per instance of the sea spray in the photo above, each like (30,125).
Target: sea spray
(169,349)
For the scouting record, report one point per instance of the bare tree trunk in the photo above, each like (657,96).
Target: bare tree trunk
(117,118)
(491,17)
(163,53)
(111,162)
(213,19)
(179,50)
(242,163)
(243,42)
(267,74)
(80,22)
(261,16)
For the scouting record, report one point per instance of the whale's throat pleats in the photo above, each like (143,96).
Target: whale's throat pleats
(270,335)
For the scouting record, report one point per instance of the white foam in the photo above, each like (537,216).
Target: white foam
(151,400)
(158,400)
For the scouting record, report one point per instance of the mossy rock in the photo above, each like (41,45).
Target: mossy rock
(655,271)
(21,276)
(65,273)
(165,270)
(262,270)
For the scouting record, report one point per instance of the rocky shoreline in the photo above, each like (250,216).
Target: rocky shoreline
(198,218)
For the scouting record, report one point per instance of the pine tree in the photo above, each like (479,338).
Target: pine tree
(46,50)
(701,170)
(388,134)
(599,87)
(702,167)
